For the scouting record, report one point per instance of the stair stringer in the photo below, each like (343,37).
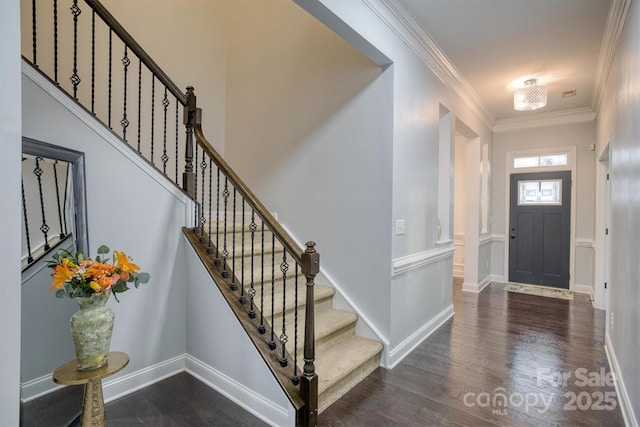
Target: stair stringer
(221,354)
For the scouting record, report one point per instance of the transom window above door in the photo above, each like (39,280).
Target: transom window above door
(540,161)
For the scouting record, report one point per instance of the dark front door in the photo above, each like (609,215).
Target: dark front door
(539,228)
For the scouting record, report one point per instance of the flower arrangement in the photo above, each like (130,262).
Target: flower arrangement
(78,277)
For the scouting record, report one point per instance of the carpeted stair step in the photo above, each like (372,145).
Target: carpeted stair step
(343,366)
(331,328)
(323,298)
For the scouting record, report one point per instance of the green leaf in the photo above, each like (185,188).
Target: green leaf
(61,293)
(143,277)
(104,249)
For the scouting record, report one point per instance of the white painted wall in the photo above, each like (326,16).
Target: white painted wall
(579,135)
(618,117)
(44,330)
(308,128)
(10,137)
(232,366)
(130,207)
(421,294)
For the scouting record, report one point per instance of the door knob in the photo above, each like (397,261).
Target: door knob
(513,233)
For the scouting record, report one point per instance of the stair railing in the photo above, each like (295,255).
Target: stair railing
(245,241)
(240,230)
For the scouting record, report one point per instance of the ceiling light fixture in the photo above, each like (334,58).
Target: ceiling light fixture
(530,97)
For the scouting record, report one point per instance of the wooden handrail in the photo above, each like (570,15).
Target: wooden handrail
(127,39)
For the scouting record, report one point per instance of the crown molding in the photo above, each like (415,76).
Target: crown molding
(402,22)
(612,32)
(577,115)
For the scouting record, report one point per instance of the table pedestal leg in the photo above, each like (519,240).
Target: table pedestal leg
(93,406)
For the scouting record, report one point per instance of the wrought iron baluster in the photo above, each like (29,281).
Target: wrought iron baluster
(272,342)
(26,224)
(217,260)
(125,122)
(140,107)
(234,285)
(164,157)
(55,177)
(93,61)
(44,228)
(225,252)
(196,219)
(284,267)
(110,76)
(34,31)
(153,120)
(252,290)
(209,247)
(75,78)
(177,126)
(242,299)
(295,378)
(261,327)
(203,166)
(55,40)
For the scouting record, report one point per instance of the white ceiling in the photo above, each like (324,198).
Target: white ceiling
(498,44)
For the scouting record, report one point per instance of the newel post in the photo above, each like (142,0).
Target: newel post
(188,176)
(309,380)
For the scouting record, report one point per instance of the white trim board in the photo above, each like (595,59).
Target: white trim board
(251,401)
(399,352)
(477,287)
(112,388)
(624,401)
(411,262)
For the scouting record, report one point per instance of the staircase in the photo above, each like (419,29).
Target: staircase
(343,359)
(314,354)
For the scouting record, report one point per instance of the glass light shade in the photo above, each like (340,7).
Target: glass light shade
(530,97)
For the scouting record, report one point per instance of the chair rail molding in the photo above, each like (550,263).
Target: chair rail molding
(411,262)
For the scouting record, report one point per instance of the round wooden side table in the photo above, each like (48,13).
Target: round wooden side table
(93,403)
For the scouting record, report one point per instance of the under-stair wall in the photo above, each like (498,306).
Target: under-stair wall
(130,207)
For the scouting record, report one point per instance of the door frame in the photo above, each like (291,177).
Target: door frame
(570,151)
(603,204)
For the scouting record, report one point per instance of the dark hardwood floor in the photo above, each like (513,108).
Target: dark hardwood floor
(498,345)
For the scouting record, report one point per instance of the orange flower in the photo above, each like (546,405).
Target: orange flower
(124,264)
(61,274)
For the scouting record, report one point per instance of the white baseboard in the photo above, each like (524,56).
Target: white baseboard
(477,287)
(127,384)
(630,419)
(112,389)
(254,403)
(38,387)
(395,355)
